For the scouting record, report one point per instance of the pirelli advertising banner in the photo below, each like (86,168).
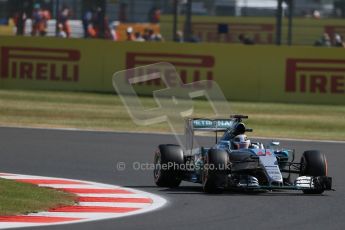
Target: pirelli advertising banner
(46,63)
(250,73)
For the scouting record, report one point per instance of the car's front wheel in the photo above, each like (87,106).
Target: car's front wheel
(313,163)
(215,171)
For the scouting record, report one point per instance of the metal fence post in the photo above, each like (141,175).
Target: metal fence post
(175,20)
(188,22)
(279,22)
(291,11)
(57,12)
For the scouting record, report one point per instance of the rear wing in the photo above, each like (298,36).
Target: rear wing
(205,125)
(234,124)
(209,125)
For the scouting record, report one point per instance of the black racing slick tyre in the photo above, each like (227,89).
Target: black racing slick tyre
(313,163)
(167,161)
(215,171)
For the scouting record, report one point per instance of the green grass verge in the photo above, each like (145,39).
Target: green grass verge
(106,112)
(22,198)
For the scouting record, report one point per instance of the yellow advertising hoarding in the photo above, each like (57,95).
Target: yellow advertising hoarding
(49,63)
(249,73)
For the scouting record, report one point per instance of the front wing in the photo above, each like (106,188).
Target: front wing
(301,183)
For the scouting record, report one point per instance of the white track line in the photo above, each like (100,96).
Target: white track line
(115,204)
(90,215)
(69,186)
(5,225)
(110,195)
(88,209)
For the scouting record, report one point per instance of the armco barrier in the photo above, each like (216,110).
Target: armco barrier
(250,73)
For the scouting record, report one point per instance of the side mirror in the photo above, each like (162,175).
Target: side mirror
(225,144)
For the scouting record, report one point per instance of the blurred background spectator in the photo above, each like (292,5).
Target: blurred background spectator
(63,18)
(154,15)
(179,36)
(113,31)
(61,33)
(87,21)
(129,33)
(245,40)
(138,37)
(157,20)
(19,21)
(338,41)
(324,41)
(39,19)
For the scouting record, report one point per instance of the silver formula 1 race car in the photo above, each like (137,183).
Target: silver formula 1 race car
(236,163)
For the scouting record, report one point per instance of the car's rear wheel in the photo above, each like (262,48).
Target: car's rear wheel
(168,160)
(215,171)
(313,163)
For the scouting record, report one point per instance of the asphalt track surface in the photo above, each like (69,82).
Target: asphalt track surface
(94,155)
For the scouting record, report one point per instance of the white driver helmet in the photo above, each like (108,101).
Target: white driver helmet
(240,142)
